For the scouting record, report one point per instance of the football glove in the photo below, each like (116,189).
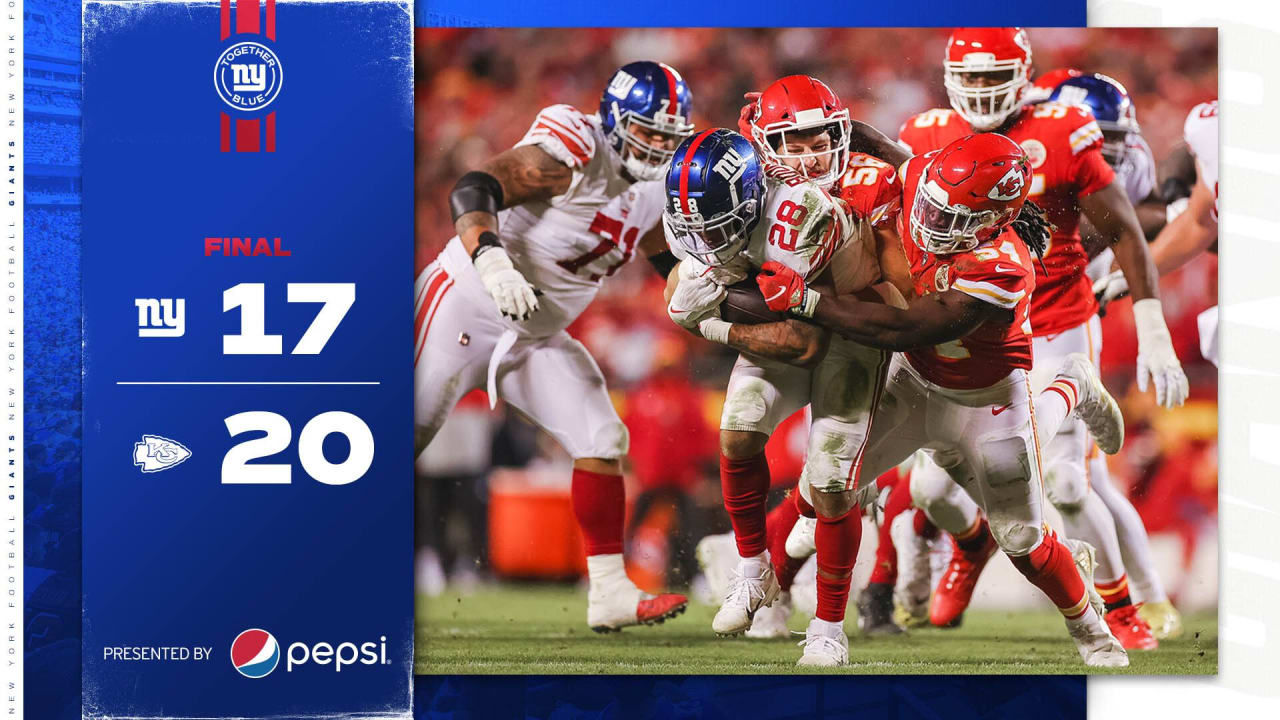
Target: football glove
(1157,362)
(785,291)
(697,296)
(512,293)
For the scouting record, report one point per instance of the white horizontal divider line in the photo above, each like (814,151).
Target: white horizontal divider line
(248,382)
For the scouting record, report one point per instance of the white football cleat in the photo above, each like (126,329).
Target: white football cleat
(800,541)
(717,556)
(1099,411)
(751,587)
(614,602)
(915,572)
(770,622)
(1097,646)
(825,645)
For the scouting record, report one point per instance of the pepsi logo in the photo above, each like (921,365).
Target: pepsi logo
(255,653)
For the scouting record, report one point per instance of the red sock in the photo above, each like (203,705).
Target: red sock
(924,526)
(778,526)
(803,506)
(976,537)
(837,540)
(886,569)
(1050,568)
(1115,594)
(745,485)
(600,505)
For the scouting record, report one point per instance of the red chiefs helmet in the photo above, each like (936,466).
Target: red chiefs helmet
(799,105)
(1002,56)
(968,193)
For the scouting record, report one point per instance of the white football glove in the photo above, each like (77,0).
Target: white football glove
(735,271)
(1111,286)
(1156,359)
(512,293)
(697,297)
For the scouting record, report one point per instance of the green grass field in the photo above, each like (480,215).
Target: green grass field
(542,629)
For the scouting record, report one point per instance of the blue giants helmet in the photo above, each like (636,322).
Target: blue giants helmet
(655,97)
(715,195)
(1109,102)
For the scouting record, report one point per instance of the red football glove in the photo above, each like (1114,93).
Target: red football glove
(744,115)
(784,290)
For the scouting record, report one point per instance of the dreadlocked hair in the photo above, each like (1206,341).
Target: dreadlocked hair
(1032,226)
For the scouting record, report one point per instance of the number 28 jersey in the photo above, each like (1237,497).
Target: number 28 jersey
(998,271)
(807,229)
(566,245)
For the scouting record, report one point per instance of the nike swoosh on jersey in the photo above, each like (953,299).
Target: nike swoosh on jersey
(998,410)
(1002,268)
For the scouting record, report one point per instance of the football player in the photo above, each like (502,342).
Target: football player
(800,123)
(539,227)
(1130,156)
(986,73)
(728,214)
(961,390)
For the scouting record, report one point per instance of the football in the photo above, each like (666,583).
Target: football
(745,304)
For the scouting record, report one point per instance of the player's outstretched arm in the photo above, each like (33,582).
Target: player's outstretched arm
(790,341)
(894,268)
(1190,234)
(928,320)
(865,139)
(653,245)
(513,177)
(1110,212)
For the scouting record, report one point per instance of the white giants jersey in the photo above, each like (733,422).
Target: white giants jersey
(1201,134)
(807,230)
(566,245)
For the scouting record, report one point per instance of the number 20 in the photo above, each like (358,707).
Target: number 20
(236,469)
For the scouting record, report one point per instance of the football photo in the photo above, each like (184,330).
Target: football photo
(862,350)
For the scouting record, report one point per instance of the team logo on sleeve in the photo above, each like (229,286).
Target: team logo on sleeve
(1010,186)
(248,76)
(157,453)
(255,653)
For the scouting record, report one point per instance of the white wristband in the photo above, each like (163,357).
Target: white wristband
(808,304)
(715,329)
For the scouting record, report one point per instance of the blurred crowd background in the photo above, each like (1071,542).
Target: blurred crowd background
(493,490)
(51,344)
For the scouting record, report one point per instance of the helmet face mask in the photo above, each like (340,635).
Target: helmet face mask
(986,71)
(646,112)
(647,160)
(717,241)
(800,123)
(942,229)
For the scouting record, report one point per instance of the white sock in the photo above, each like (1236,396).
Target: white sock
(757,561)
(1135,547)
(1053,405)
(606,568)
(825,627)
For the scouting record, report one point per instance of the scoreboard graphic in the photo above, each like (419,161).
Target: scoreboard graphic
(247,242)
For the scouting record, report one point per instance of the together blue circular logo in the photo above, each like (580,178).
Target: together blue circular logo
(248,76)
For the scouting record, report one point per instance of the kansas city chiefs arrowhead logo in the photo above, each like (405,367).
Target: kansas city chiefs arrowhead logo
(157,453)
(1010,186)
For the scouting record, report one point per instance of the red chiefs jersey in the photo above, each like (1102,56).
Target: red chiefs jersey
(998,271)
(1064,145)
(870,189)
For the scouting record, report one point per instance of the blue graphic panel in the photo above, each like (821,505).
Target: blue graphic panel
(247,234)
(754,13)
(730,697)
